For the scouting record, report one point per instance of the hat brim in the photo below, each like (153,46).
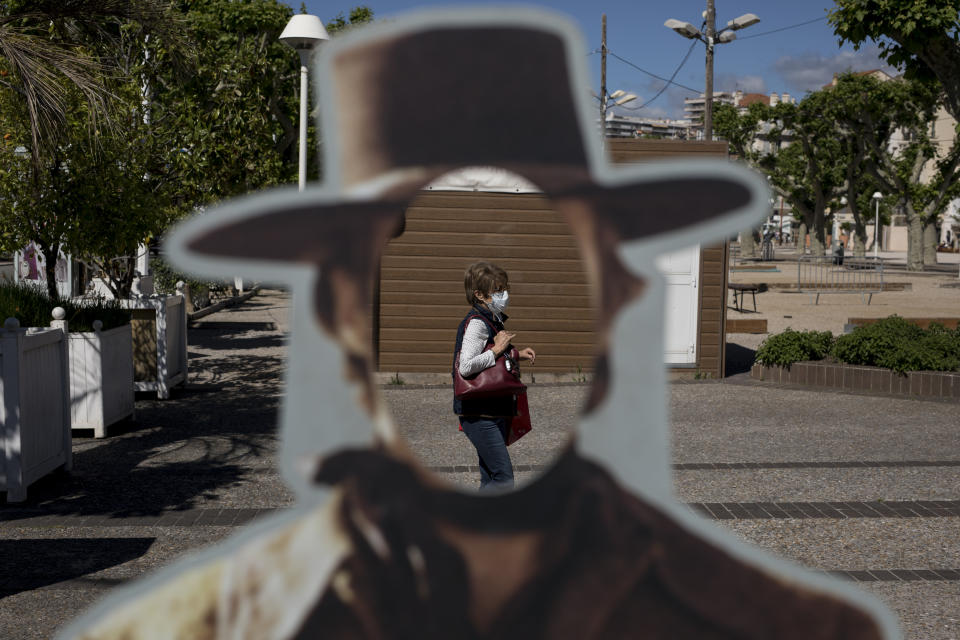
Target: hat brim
(316,230)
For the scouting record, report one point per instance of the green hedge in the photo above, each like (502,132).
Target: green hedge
(33,308)
(891,343)
(791,346)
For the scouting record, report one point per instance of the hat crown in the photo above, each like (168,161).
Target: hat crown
(509,103)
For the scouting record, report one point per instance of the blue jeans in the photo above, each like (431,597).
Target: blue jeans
(488,436)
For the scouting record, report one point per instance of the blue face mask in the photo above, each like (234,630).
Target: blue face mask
(499,302)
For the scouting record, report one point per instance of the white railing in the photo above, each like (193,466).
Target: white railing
(35,412)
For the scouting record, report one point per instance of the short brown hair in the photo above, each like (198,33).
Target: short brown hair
(485,277)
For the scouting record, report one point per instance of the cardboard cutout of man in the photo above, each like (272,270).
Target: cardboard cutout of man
(596,547)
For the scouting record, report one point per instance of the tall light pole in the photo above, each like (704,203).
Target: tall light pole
(709,37)
(876,222)
(304,32)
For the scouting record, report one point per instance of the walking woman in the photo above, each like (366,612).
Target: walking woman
(485,421)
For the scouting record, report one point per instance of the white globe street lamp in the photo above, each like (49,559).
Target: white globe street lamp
(877,196)
(304,32)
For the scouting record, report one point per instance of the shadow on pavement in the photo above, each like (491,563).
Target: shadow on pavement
(181,452)
(34,563)
(739,359)
(215,340)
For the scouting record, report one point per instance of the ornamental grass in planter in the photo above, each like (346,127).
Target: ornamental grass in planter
(100,352)
(33,308)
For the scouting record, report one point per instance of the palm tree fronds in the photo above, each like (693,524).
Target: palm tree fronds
(53,47)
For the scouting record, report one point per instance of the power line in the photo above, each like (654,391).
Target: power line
(670,81)
(793,26)
(686,57)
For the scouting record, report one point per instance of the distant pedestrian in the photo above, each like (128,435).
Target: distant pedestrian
(485,421)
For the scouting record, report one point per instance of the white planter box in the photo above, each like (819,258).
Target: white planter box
(159,342)
(35,410)
(101,378)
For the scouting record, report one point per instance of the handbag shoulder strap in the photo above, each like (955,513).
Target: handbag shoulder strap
(493,329)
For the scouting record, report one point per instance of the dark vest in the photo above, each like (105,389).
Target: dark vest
(485,406)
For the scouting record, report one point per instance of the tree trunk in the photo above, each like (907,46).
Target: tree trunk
(50,269)
(748,246)
(817,243)
(859,246)
(859,238)
(125,277)
(118,273)
(930,242)
(914,241)
(802,238)
(818,239)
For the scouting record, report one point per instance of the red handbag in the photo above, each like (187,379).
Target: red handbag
(520,423)
(502,379)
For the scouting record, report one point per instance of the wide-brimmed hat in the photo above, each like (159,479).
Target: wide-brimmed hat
(406,102)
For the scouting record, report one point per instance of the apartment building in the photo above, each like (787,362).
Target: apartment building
(621,126)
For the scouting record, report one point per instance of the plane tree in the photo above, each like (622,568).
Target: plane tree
(741,131)
(889,125)
(801,154)
(923,38)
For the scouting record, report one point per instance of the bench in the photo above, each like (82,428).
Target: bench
(817,275)
(741,289)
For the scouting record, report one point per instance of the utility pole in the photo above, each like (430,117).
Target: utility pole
(711,33)
(603,77)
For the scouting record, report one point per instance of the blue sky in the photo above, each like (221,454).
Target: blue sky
(794,60)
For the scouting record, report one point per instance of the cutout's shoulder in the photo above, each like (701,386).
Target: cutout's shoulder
(726,592)
(261,590)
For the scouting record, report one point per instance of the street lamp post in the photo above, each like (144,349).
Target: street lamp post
(709,37)
(304,32)
(876,222)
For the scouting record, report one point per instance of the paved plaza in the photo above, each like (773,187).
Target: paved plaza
(866,487)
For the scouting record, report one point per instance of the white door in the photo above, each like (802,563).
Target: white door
(680,269)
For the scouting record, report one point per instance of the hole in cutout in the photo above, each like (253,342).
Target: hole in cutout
(493,216)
